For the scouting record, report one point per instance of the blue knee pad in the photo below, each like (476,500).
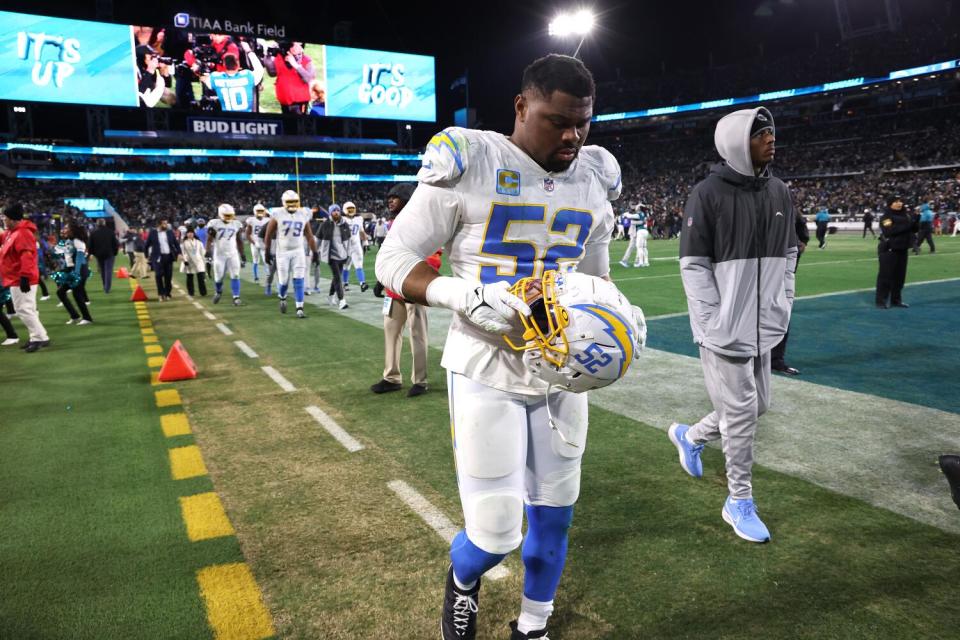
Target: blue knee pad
(218,285)
(298,289)
(283,290)
(360,277)
(545,550)
(235,287)
(470,561)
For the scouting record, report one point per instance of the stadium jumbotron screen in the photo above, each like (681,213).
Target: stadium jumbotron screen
(46,59)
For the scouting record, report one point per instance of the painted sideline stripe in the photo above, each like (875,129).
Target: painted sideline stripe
(243,346)
(235,608)
(435,519)
(279,379)
(205,517)
(223,329)
(209,316)
(334,429)
(198,305)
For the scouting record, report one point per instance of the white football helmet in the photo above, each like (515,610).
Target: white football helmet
(290,200)
(226,213)
(583,333)
(259,210)
(349,209)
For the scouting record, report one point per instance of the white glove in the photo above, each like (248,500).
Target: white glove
(491,307)
(641,321)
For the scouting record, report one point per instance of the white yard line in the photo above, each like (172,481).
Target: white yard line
(243,346)
(224,329)
(435,519)
(279,379)
(209,316)
(198,305)
(334,429)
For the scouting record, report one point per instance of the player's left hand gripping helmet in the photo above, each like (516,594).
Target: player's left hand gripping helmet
(290,200)
(349,209)
(583,333)
(226,213)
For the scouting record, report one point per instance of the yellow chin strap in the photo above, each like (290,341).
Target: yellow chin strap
(552,339)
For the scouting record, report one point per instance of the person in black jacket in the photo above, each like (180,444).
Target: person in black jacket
(104,247)
(778,353)
(896,238)
(162,252)
(334,239)
(868,223)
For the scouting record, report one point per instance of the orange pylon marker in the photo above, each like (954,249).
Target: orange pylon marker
(122,273)
(139,295)
(178,365)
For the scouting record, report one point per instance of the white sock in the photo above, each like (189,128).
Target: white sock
(687,439)
(462,586)
(533,615)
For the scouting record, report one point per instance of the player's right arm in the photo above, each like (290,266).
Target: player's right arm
(429,221)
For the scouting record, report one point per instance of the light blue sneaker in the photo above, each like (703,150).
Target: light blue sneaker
(689,453)
(742,516)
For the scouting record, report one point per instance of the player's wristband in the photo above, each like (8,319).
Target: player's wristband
(450,293)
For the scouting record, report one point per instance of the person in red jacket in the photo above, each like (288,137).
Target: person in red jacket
(397,314)
(294,72)
(18,270)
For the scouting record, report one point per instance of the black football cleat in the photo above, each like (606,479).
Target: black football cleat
(517,635)
(459,618)
(951,468)
(283,305)
(216,297)
(364,286)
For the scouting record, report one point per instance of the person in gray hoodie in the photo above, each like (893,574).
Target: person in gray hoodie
(738,254)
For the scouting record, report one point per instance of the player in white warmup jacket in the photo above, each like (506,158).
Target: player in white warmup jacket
(357,237)
(504,209)
(289,226)
(224,234)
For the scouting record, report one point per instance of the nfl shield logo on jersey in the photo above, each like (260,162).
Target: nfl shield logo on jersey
(548,185)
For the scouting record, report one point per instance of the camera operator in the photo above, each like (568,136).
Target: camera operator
(151,76)
(294,72)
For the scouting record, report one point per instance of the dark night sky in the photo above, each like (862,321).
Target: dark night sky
(495,40)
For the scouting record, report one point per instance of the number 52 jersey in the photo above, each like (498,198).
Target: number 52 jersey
(501,216)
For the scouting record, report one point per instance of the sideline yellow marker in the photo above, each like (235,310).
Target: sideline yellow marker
(174,424)
(152,348)
(235,609)
(149,339)
(155,362)
(205,517)
(155,378)
(147,331)
(167,397)
(186,462)
(145,324)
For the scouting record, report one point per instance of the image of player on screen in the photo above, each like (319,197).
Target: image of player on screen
(236,88)
(152,77)
(294,71)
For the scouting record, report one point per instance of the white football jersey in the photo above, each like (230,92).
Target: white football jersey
(290,227)
(356,225)
(225,235)
(500,216)
(256,227)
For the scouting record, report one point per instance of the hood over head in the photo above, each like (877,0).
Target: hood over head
(732,137)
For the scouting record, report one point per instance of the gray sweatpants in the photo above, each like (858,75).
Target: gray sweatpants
(739,389)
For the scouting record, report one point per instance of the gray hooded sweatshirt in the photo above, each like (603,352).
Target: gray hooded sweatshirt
(738,249)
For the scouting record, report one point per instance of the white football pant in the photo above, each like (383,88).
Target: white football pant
(290,264)
(507,455)
(638,243)
(226,263)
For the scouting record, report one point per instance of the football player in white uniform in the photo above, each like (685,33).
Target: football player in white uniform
(638,239)
(509,209)
(289,225)
(255,228)
(355,255)
(224,234)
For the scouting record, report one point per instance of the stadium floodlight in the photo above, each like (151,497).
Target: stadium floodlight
(579,23)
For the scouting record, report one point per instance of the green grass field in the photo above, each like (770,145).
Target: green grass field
(94,544)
